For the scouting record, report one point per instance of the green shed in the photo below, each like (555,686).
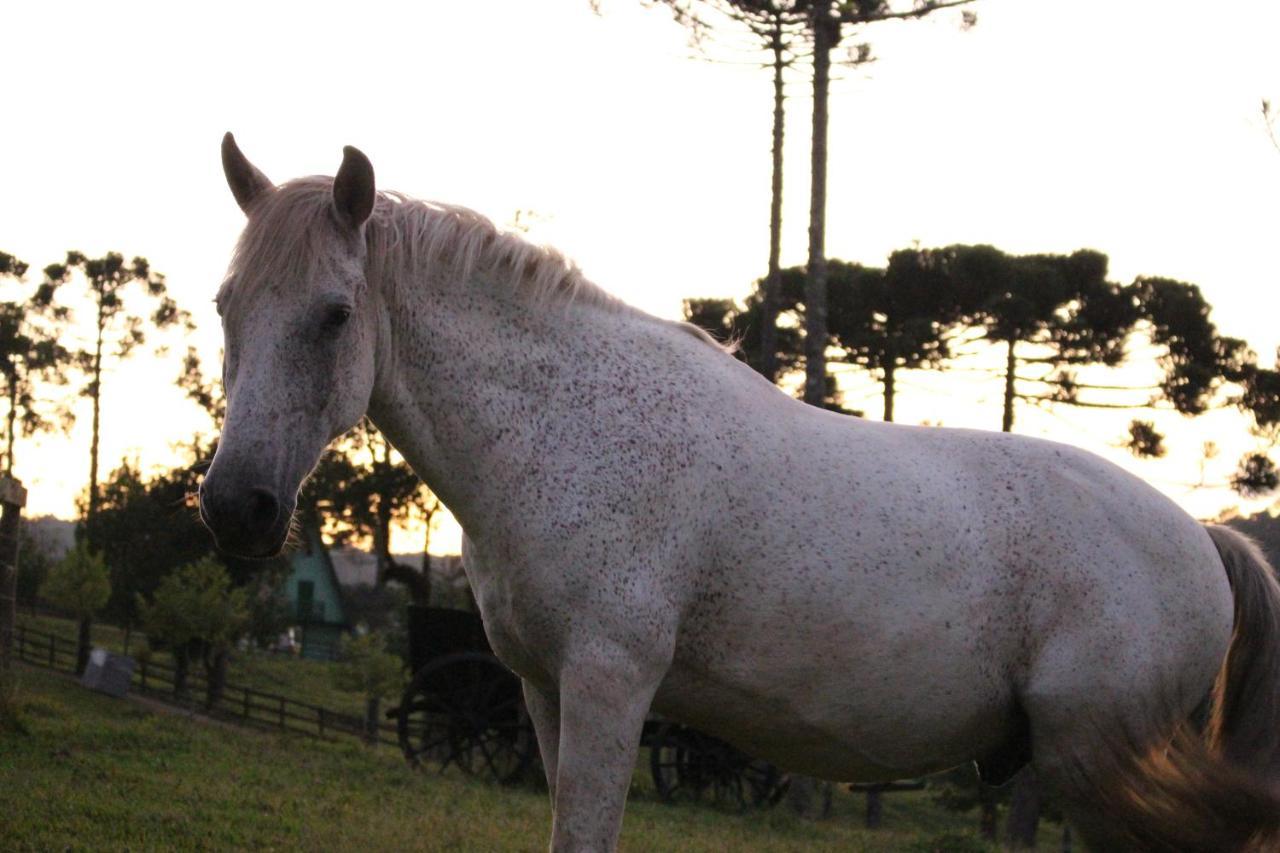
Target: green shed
(315,597)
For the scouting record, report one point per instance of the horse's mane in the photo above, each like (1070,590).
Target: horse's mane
(404,236)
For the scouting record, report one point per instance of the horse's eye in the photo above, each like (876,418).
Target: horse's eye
(336,316)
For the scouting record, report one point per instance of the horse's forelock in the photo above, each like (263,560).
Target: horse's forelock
(283,241)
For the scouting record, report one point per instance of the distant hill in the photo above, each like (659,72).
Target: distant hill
(55,536)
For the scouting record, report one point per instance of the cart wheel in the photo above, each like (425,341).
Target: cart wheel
(466,709)
(688,765)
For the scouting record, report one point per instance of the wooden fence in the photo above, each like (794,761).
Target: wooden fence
(236,703)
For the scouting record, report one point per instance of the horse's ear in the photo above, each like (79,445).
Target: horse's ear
(353,189)
(246,182)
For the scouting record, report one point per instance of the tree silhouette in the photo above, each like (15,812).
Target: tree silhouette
(147,526)
(902,317)
(824,24)
(775,25)
(738,326)
(827,23)
(1054,316)
(30,353)
(1196,360)
(205,393)
(80,585)
(197,608)
(360,489)
(883,320)
(118,331)
(1060,306)
(1059,314)
(1144,440)
(1256,473)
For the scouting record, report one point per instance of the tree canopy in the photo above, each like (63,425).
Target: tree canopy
(197,602)
(79,583)
(31,358)
(119,328)
(146,527)
(367,667)
(1056,318)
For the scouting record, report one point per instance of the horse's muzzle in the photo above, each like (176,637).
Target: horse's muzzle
(249,522)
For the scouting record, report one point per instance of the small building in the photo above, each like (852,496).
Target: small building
(315,597)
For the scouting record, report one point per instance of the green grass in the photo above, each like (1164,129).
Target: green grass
(96,773)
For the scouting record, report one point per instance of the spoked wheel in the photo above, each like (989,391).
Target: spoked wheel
(688,765)
(466,709)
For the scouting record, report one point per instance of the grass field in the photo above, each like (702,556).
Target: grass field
(102,774)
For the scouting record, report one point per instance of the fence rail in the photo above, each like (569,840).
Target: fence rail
(235,703)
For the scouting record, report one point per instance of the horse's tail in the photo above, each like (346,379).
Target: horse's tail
(1245,725)
(1219,791)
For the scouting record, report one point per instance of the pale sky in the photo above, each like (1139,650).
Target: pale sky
(1129,127)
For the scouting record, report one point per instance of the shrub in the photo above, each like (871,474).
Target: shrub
(368,668)
(78,583)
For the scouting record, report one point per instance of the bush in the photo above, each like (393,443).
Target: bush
(368,668)
(196,603)
(196,608)
(79,583)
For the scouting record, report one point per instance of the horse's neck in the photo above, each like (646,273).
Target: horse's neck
(475,389)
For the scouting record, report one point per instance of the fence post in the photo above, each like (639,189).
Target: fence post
(13,497)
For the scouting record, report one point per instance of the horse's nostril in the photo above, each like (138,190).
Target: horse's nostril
(261,509)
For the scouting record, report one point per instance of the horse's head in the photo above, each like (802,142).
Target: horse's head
(299,333)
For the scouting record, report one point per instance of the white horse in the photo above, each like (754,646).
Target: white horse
(650,524)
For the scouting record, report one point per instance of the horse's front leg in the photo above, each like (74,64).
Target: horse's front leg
(544,711)
(603,704)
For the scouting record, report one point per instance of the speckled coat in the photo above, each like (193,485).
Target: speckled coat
(651,525)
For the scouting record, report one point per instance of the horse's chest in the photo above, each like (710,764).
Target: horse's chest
(524,644)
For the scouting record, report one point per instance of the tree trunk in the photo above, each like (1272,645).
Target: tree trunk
(82,644)
(826,32)
(1010,365)
(890,388)
(773,284)
(217,678)
(10,431)
(1024,812)
(95,391)
(10,523)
